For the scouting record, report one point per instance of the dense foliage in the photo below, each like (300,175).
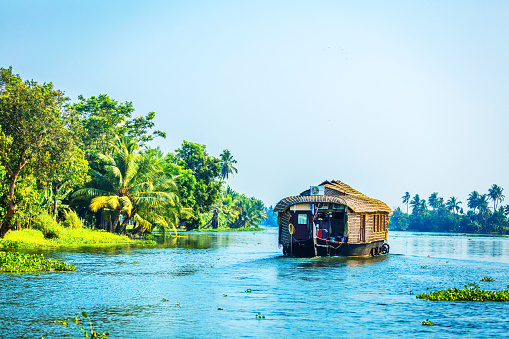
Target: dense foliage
(234,210)
(435,215)
(87,164)
(21,262)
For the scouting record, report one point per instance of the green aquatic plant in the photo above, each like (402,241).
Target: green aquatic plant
(427,322)
(22,262)
(93,334)
(487,279)
(62,321)
(466,294)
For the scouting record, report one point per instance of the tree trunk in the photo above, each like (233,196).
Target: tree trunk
(11,206)
(215,221)
(114,224)
(55,201)
(122,227)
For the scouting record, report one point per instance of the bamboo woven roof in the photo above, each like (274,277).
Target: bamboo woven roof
(338,192)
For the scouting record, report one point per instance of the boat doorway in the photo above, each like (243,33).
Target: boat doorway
(332,226)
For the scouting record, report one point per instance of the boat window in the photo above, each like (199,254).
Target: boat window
(302,219)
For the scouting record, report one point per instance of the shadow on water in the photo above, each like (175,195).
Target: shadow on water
(193,241)
(330,262)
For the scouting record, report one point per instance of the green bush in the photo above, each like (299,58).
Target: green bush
(48,226)
(71,220)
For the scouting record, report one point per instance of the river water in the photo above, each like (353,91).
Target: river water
(206,279)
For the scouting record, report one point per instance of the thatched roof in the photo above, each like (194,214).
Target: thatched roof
(337,192)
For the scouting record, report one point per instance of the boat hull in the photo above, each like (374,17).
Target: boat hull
(327,248)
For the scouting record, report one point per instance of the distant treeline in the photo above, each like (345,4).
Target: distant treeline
(437,215)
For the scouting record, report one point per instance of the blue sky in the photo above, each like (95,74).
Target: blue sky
(387,96)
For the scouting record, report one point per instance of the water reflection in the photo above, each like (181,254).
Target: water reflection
(446,246)
(194,241)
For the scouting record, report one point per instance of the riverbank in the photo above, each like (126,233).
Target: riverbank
(32,238)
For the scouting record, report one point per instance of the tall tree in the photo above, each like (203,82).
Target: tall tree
(495,194)
(206,170)
(227,163)
(453,205)
(406,199)
(483,207)
(103,118)
(37,123)
(133,186)
(473,200)
(416,204)
(433,200)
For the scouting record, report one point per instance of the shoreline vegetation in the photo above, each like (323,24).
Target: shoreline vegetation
(88,165)
(437,215)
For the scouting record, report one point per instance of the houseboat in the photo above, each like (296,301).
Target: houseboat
(332,219)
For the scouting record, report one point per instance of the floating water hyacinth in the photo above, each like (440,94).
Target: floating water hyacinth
(22,262)
(466,294)
(427,322)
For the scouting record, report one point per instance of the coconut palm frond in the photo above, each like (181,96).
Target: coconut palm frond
(127,206)
(90,193)
(144,223)
(103,201)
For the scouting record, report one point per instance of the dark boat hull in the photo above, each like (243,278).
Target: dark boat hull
(327,248)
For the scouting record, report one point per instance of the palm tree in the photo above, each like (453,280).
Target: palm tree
(406,199)
(473,200)
(506,210)
(483,208)
(224,211)
(251,212)
(453,205)
(423,207)
(440,202)
(133,186)
(227,162)
(433,200)
(416,204)
(495,194)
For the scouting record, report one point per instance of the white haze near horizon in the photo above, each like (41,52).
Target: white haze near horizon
(386,96)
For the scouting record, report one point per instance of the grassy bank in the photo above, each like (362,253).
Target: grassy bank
(21,262)
(63,236)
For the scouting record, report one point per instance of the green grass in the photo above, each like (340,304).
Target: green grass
(30,238)
(465,294)
(22,262)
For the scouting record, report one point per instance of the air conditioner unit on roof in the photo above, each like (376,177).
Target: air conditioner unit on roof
(316,190)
